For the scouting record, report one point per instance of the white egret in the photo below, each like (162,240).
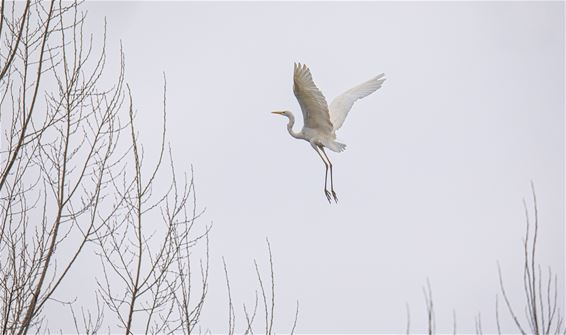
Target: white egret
(320,120)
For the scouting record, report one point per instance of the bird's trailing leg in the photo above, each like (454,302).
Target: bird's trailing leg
(331,177)
(317,149)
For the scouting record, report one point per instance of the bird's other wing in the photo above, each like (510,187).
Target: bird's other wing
(342,104)
(312,102)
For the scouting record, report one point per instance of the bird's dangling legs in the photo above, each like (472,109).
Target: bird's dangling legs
(316,148)
(331,177)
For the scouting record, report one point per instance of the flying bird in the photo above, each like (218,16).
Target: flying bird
(322,121)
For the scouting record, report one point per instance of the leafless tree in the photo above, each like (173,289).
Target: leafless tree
(60,130)
(146,244)
(267,300)
(431,319)
(542,313)
(74,177)
(429,307)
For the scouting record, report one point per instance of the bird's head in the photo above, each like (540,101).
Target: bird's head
(284,113)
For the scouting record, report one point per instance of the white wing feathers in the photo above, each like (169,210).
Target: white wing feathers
(312,102)
(342,104)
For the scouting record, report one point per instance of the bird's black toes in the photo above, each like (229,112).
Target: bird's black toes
(328,196)
(334,196)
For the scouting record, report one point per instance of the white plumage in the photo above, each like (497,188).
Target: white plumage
(320,120)
(342,104)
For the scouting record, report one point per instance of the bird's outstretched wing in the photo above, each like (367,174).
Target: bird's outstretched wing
(312,102)
(342,104)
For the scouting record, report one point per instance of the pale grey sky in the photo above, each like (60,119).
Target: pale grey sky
(437,164)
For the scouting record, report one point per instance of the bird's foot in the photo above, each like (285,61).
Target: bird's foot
(328,197)
(334,196)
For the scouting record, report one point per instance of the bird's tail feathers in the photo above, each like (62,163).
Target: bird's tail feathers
(336,146)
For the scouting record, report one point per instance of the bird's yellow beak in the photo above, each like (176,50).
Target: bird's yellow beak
(280,113)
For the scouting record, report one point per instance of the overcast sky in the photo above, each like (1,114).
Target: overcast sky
(437,164)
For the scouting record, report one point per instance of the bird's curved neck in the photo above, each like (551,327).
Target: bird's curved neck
(290,126)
